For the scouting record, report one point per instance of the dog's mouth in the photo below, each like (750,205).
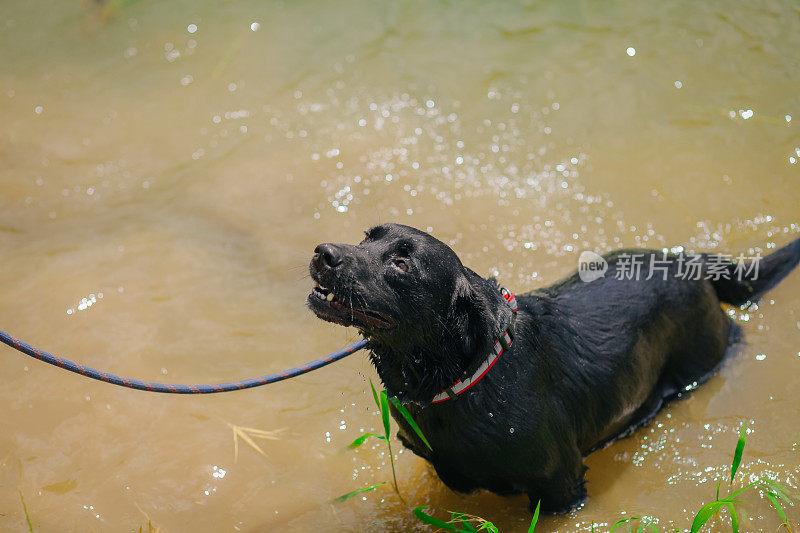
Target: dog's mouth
(329,306)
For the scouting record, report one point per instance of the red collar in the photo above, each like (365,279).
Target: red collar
(499,345)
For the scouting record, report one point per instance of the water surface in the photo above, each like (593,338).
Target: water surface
(168,169)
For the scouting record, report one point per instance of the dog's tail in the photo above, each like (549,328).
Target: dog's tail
(748,281)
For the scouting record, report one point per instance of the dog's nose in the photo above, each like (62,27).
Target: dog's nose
(327,256)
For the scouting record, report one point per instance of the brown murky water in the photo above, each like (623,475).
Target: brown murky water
(174,167)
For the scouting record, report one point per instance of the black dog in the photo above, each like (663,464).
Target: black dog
(511,401)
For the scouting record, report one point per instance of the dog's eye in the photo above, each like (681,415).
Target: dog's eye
(401,265)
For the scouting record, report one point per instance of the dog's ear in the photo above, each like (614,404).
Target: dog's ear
(467,321)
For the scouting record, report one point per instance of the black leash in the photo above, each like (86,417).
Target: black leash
(178,389)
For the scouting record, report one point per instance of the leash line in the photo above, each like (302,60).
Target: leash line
(168,388)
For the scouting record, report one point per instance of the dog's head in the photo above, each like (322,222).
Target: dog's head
(425,314)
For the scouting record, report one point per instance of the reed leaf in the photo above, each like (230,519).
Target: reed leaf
(411,422)
(734,518)
(737,454)
(432,520)
(777,505)
(345,497)
(375,394)
(619,523)
(25,508)
(360,440)
(535,518)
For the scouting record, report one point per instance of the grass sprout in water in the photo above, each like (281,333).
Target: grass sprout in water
(382,402)
(774,492)
(459,522)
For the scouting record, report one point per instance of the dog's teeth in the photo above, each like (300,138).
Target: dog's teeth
(329,297)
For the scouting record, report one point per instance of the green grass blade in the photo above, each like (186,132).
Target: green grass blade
(384,407)
(739,491)
(432,520)
(410,420)
(465,526)
(737,454)
(488,526)
(705,512)
(25,508)
(777,505)
(619,523)
(536,517)
(350,494)
(361,440)
(779,490)
(385,413)
(734,518)
(375,394)
(461,522)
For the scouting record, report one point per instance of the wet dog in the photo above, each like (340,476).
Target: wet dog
(512,393)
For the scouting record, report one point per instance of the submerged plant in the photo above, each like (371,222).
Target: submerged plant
(459,522)
(248,434)
(774,492)
(467,523)
(25,508)
(382,402)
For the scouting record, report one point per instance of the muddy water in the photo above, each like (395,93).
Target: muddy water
(167,172)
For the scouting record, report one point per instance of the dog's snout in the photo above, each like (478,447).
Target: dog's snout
(327,256)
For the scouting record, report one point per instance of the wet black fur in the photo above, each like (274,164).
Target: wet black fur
(590,362)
